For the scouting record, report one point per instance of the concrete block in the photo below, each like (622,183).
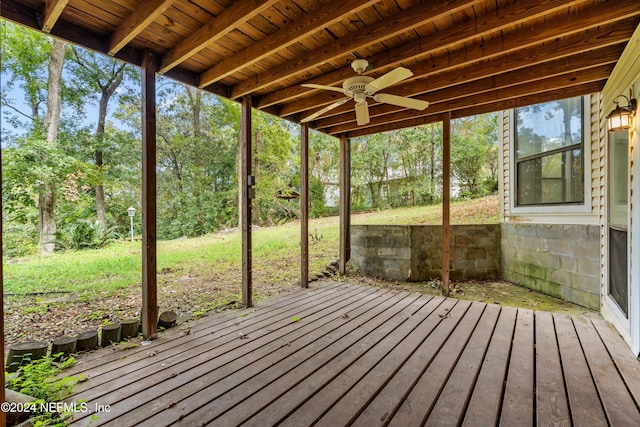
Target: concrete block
(560,247)
(589,267)
(474,253)
(546,260)
(585,299)
(561,277)
(589,250)
(568,263)
(463,264)
(488,263)
(584,283)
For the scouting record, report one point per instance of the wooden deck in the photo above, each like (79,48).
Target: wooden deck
(365,356)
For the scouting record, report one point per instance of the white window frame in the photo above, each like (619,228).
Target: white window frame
(556,209)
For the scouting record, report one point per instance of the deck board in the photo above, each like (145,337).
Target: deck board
(518,401)
(619,406)
(552,408)
(364,356)
(584,402)
(451,403)
(485,402)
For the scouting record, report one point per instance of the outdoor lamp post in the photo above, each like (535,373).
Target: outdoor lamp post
(131,211)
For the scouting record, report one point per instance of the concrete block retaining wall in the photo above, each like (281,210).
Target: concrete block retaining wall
(414,252)
(558,260)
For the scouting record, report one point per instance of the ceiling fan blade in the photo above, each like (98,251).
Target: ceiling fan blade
(392,77)
(323,87)
(401,101)
(362,113)
(324,110)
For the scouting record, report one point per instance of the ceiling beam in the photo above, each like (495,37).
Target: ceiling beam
(52,11)
(445,103)
(592,17)
(135,23)
(298,30)
(502,72)
(399,23)
(438,68)
(538,98)
(238,13)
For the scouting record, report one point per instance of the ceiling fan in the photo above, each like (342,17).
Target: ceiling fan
(360,87)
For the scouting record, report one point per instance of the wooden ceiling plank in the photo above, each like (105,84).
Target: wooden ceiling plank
(563,81)
(135,23)
(548,96)
(553,28)
(464,61)
(517,12)
(381,30)
(510,69)
(487,85)
(238,13)
(460,94)
(52,11)
(295,32)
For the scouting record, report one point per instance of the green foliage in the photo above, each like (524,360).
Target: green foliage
(197,156)
(86,234)
(39,379)
(474,153)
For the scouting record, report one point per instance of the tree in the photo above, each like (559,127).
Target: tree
(104,76)
(473,143)
(26,56)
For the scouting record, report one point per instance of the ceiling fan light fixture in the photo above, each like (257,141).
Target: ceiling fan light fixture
(359,65)
(359,97)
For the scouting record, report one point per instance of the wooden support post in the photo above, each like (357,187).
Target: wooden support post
(245,207)
(149,278)
(446,200)
(345,204)
(304,205)
(3,416)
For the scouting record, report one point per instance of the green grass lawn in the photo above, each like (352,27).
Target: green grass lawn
(275,252)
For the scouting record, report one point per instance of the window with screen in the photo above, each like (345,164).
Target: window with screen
(549,153)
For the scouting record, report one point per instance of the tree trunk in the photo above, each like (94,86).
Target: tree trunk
(102,117)
(46,208)
(100,204)
(107,92)
(47,197)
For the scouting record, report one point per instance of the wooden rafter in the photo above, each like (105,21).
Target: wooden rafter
(486,96)
(474,40)
(283,38)
(135,23)
(486,105)
(481,61)
(504,104)
(52,11)
(400,23)
(238,13)
(422,48)
(474,84)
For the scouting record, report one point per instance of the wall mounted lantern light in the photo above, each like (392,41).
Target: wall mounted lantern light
(620,118)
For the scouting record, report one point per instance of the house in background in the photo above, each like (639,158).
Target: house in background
(570,198)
